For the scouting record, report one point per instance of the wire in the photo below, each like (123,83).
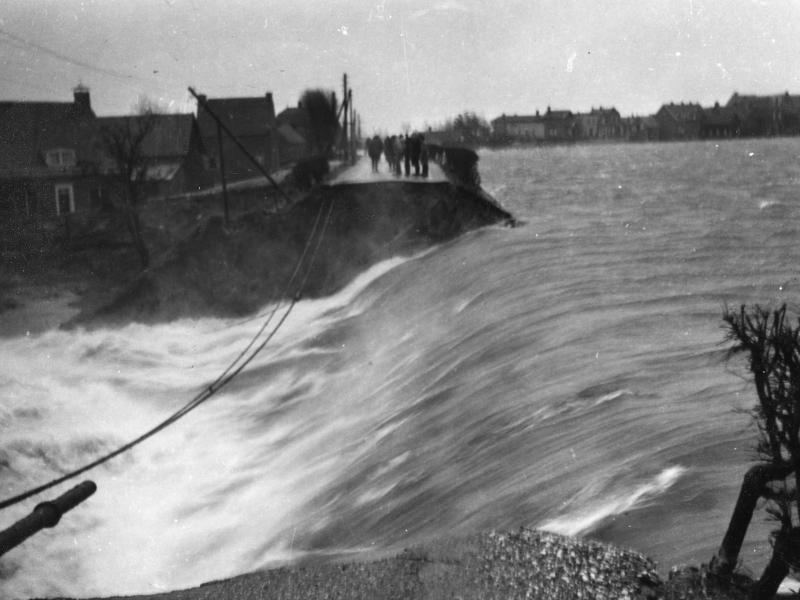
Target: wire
(64,57)
(228,375)
(16,41)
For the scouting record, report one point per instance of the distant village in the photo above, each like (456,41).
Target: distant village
(741,116)
(55,161)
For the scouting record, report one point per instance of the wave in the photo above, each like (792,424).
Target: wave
(587,518)
(764,204)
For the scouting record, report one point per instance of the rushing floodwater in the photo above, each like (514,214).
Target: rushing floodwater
(567,374)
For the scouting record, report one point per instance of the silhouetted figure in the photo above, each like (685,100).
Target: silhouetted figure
(375,149)
(388,152)
(416,149)
(423,155)
(398,153)
(407,155)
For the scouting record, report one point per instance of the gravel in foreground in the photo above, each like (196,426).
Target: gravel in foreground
(525,564)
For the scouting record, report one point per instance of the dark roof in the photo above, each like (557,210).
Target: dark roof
(561,115)
(748,102)
(29,129)
(719,116)
(242,116)
(604,112)
(171,135)
(682,112)
(517,119)
(5,105)
(291,136)
(296,117)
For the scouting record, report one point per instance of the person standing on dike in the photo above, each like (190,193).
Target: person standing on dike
(407,155)
(423,155)
(375,150)
(398,153)
(388,152)
(416,147)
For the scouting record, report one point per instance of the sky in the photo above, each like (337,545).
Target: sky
(410,62)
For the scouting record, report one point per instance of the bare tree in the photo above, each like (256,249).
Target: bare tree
(323,119)
(772,345)
(123,139)
(468,129)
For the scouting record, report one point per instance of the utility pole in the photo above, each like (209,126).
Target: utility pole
(351,146)
(241,147)
(345,99)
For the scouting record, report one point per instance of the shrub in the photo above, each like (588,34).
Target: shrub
(309,171)
(772,346)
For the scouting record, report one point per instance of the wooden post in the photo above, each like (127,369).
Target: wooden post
(241,147)
(46,514)
(222,172)
(346,110)
(753,485)
(351,147)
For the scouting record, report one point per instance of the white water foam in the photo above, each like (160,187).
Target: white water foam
(765,204)
(585,518)
(246,460)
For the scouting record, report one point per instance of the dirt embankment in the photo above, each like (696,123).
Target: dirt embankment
(234,270)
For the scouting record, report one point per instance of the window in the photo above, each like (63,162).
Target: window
(60,157)
(65,199)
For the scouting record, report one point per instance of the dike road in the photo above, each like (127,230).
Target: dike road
(361,172)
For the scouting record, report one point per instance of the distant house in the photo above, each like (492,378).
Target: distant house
(640,129)
(294,134)
(439,137)
(559,125)
(586,125)
(609,123)
(552,126)
(767,115)
(173,150)
(599,123)
(720,122)
(680,121)
(48,160)
(252,121)
(518,128)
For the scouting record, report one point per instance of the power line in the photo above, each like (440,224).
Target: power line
(16,41)
(228,375)
(73,61)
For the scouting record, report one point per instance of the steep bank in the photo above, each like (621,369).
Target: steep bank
(234,270)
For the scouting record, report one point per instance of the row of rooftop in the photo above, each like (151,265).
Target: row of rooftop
(741,116)
(53,160)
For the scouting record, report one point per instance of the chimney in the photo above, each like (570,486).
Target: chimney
(270,107)
(82,102)
(201,99)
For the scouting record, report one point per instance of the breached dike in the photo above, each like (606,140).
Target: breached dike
(234,270)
